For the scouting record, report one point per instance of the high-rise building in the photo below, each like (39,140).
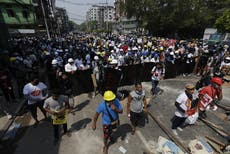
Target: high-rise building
(100,14)
(123,24)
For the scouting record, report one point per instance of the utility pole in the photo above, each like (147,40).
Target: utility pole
(44,15)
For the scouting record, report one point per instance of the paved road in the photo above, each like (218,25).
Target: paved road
(86,141)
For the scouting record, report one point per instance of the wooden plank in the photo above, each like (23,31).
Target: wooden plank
(170,135)
(215,147)
(226,108)
(216,141)
(216,128)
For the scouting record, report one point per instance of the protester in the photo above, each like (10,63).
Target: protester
(110,108)
(70,66)
(158,73)
(66,85)
(35,92)
(183,104)
(137,107)
(6,85)
(57,106)
(207,95)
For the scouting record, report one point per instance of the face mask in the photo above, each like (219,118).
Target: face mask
(139,92)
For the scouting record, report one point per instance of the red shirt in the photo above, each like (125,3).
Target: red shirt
(207,94)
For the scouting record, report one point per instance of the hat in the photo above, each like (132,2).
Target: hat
(96,57)
(109,96)
(54,62)
(70,60)
(189,86)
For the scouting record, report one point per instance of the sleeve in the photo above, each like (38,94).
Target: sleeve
(46,104)
(179,99)
(25,90)
(118,104)
(100,108)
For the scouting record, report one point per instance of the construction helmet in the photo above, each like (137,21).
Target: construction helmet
(109,96)
(217,81)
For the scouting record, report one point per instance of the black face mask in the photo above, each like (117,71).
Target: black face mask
(188,95)
(138,92)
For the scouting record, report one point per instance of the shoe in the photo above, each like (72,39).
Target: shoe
(214,108)
(133,131)
(180,129)
(36,124)
(68,133)
(105,150)
(175,132)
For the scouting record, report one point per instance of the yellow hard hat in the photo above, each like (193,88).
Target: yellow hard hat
(109,96)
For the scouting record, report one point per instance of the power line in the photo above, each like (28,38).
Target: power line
(81,4)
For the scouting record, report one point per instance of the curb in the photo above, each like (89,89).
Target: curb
(10,121)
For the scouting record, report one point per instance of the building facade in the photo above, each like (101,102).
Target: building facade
(101,14)
(123,24)
(61,18)
(18,14)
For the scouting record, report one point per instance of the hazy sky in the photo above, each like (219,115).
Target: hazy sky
(76,9)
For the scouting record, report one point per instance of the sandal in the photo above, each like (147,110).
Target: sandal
(105,150)
(133,131)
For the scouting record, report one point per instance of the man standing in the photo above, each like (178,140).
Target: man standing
(183,104)
(137,107)
(35,92)
(158,73)
(109,108)
(70,67)
(56,105)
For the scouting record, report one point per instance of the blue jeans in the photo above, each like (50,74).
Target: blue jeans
(154,86)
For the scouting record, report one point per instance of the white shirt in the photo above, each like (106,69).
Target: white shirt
(34,93)
(157,73)
(185,104)
(70,68)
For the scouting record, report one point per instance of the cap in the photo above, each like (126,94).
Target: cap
(70,60)
(54,62)
(217,81)
(189,86)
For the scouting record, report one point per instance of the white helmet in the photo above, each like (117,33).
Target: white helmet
(95,58)
(54,62)
(70,60)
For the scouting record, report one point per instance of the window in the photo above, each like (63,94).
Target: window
(10,13)
(25,14)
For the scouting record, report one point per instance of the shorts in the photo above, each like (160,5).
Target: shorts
(107,130)
(137,119)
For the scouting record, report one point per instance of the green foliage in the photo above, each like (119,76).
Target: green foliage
(187,18)
(223,22)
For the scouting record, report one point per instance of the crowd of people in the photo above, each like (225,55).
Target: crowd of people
(41,66)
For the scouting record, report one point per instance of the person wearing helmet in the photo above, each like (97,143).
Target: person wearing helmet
(137,107)
(70,66)
(110,108)
(208,94)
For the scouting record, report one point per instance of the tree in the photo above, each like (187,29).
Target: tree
(223,22)
(187,18)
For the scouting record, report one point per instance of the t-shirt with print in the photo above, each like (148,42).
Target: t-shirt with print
(56,105)
(137,103)
(35,93)
(105,115)
(185,104)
